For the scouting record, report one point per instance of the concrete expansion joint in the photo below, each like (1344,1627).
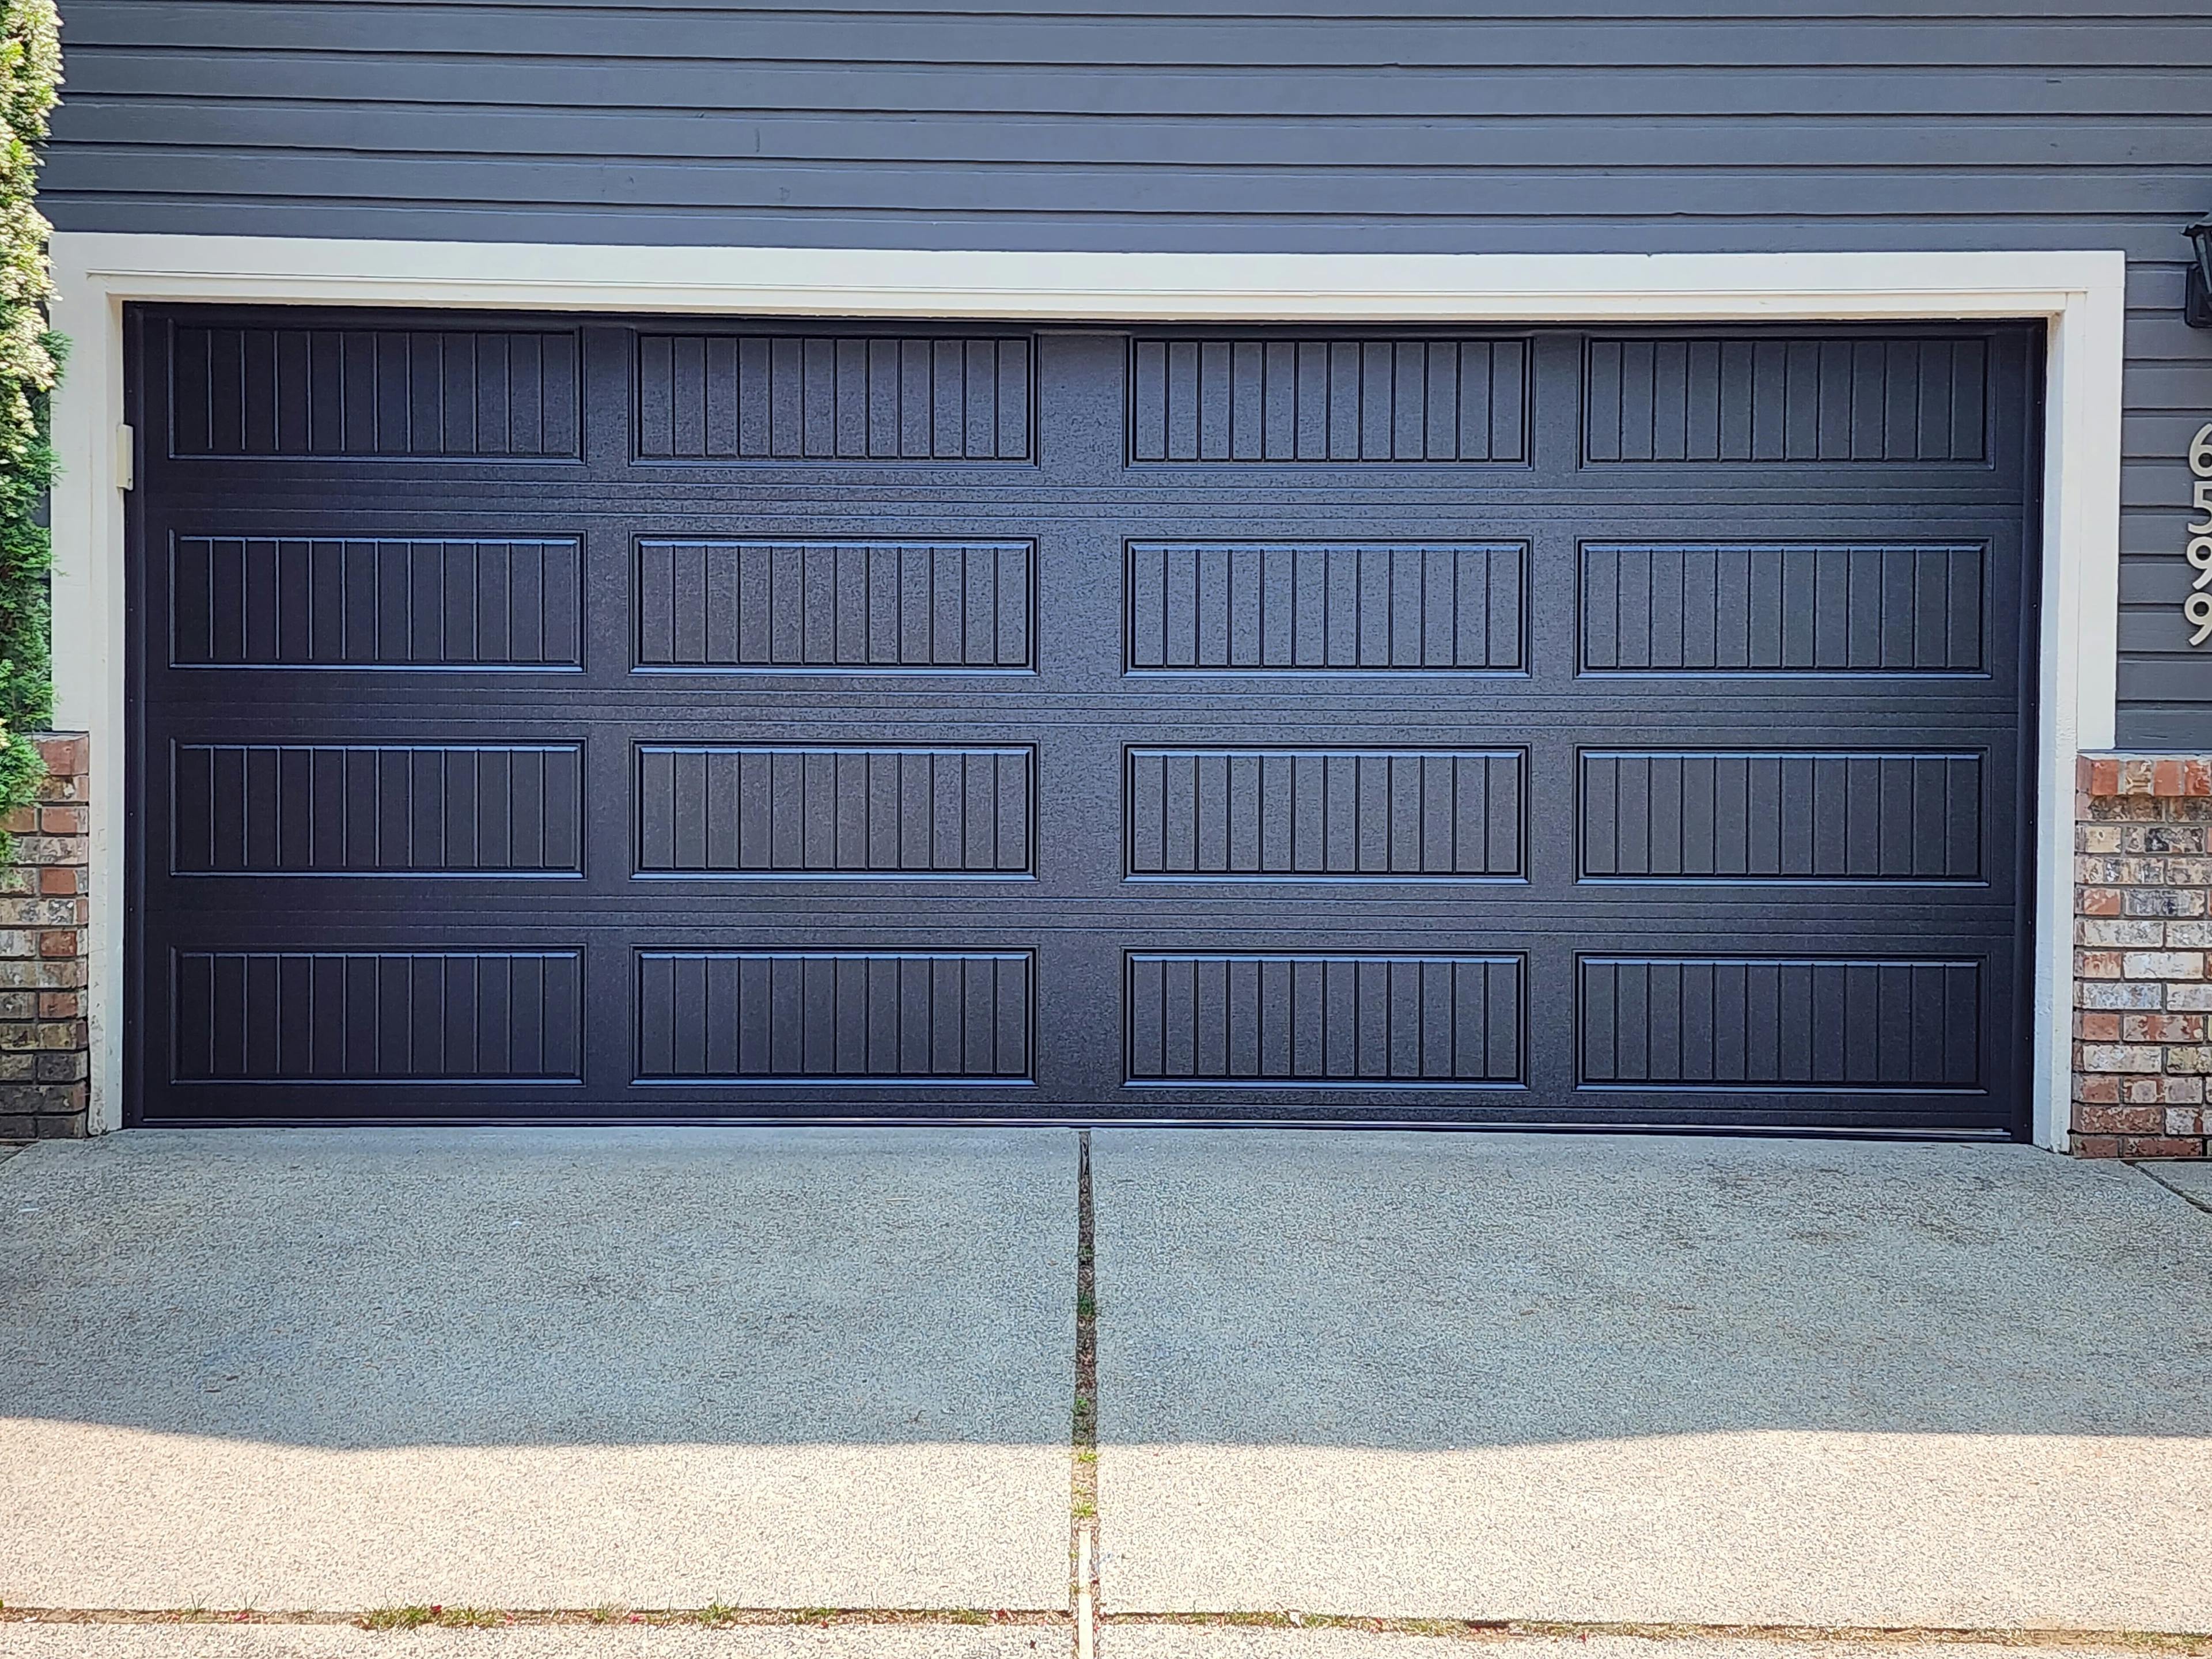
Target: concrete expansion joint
(435,1616)
(2195,1201)
(1555,1630)
(1083,1485)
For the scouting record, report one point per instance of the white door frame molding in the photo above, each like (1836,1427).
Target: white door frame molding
(2078,295)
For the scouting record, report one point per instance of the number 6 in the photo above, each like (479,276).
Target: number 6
(2200,452)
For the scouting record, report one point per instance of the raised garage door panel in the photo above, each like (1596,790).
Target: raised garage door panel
(611,720)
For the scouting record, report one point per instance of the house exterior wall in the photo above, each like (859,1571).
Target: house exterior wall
(1598,127)
(1591,126)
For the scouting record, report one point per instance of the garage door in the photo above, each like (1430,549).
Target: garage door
(663,719)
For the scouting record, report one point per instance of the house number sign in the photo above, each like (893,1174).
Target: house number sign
(2198,607)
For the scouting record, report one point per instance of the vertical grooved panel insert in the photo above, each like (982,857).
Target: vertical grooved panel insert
(1698,400)
(1780,1023)
(264,393)
(834,1016)
(758,809)
(376,1016)
(860,607)
(1340,400)
(285,602)
(1319,813)
(1652,815)
(1359,607)
(419,809)
(1319,1021)
(844,397)
(1782,609)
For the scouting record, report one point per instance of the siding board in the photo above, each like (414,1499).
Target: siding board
(1620,192)
(1027,38)
(1478,143)
(1104,90)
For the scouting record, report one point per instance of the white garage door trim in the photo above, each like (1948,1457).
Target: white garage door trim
(2079,295)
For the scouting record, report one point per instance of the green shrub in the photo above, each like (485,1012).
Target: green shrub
(30,359)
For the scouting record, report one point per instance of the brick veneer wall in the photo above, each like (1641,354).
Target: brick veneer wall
(45,1057)
(2142,875)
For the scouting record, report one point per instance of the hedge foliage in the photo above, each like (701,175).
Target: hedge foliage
(30,359)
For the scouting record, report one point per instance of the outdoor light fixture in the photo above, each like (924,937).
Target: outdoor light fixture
(2197,287)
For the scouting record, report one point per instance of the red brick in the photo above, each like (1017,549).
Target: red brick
(61,1004)
(64,756)
(62,942)
(64,821)
(2099,1091)
(2120,1120)
(58,879)
(2165,777)
(2098,901)
(2097,964)
(2096,1146)
(2103,777)
(2159,1147)
(2099,1028)
(2196,777)
(2162,1028)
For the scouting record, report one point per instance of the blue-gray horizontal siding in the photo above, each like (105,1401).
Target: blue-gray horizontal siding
(1588,126)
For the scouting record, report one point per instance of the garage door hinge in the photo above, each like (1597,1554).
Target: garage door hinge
(126,451)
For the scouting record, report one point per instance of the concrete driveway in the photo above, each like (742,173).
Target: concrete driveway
(355,1368)
(1593,1379)
(1505,1377)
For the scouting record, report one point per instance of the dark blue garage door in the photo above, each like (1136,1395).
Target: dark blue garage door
(663,720)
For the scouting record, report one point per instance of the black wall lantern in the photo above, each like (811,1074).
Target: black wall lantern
(2197,287)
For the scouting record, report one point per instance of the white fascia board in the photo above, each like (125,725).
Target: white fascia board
(1092,287)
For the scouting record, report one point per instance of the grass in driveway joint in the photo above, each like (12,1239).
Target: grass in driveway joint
(2151,1644)
(433,1615)
(2183,1645)
(1083,1477)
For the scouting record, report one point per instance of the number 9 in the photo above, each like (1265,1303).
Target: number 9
(2200,558)
(2197,608)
